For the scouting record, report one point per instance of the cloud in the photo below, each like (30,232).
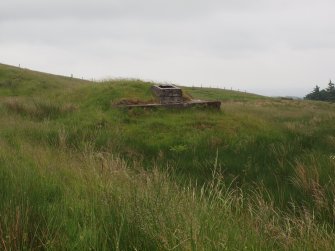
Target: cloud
(235,42)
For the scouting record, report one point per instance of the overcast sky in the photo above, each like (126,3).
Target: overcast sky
(271,47)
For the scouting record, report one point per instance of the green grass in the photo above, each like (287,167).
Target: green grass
(78,174)
(223,95)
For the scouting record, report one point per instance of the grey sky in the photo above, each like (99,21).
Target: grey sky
(272,47)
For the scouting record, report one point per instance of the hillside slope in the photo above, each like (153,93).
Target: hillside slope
(77,173)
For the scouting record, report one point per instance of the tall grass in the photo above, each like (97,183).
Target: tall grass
(76,173)
(38,109)
(65,200)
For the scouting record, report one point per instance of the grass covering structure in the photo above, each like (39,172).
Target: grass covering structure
(78,174)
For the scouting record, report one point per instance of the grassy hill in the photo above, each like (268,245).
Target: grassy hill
(78,174)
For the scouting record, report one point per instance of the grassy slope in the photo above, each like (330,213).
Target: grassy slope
(77,173)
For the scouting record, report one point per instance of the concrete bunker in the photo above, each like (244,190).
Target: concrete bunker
(168,94)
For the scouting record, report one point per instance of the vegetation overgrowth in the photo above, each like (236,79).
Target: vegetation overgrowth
(78,174)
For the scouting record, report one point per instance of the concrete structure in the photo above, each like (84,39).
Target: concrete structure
(168,94)
(216,105)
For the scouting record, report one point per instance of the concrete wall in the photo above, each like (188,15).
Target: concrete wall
(168,94)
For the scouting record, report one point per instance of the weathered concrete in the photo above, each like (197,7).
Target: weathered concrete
(171,96)
(168,94)
(197,103)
